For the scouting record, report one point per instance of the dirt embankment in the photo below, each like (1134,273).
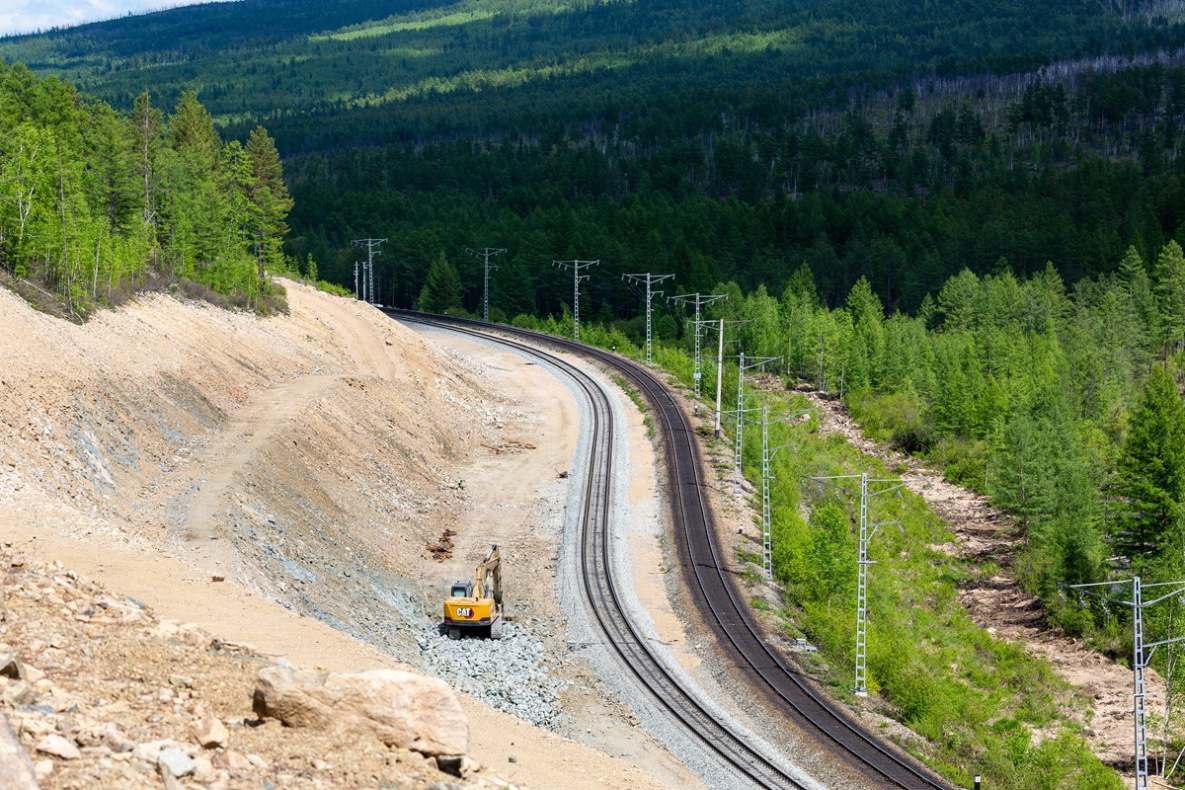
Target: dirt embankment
(212,465)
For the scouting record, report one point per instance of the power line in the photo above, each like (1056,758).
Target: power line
(576,266)
(650,280)
(485,299)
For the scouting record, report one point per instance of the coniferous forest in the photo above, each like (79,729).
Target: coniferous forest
(965,219)
(95,205)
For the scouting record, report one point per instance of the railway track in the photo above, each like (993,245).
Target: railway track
(705,571)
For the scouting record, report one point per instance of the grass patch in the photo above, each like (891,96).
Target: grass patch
(748,556)
(632,393)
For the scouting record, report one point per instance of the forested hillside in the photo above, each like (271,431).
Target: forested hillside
(729,140)
(95,205)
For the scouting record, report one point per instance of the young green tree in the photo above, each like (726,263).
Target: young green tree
(1170,293)
(269,198)
(442,291)
(1151,468)
(192,208)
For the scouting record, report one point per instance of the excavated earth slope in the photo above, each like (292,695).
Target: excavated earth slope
(277,481)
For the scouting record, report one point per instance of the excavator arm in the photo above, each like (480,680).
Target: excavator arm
(488,578)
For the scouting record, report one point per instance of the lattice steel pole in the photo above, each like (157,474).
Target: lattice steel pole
(865,540)
(738,440)
(650,280)
(370,253)
(576,266)
(720,371)
(767,457)
(698,300)
(719,375)
(767,560)
(739,443)
(485,299)
(1141,657)
(862,594)
(1138,692)
(355,279)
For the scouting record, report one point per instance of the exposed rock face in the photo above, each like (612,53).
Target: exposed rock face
(10,667)
(400,708)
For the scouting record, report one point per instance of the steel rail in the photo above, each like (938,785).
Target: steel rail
(601,587)
(719,600)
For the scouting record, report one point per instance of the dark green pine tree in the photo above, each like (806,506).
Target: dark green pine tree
(1152,467)
(269,198)
(442,291)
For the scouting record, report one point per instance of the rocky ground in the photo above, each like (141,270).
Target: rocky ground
(103,693)
(510,675)
(280,482)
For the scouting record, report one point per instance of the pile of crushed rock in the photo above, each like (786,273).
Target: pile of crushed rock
(509,674)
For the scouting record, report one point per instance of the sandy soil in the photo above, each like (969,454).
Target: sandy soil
(268,478)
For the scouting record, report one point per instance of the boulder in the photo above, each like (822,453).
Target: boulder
(209,733)
(176,763)
(58,746)
(15,766)
(11,667)
(401,709)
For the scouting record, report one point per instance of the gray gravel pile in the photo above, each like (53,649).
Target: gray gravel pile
(508,674)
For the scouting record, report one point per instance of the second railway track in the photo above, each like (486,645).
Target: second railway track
(712,586)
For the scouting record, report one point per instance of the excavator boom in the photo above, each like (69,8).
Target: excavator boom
(487,582)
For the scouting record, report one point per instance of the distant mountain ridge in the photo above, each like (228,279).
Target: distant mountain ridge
(723,140)
(266,59)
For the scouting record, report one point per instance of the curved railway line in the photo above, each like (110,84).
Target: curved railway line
(713,588)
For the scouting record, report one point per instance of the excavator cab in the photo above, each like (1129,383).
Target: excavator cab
(476,606)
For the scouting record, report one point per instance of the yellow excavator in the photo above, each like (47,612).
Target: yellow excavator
(476,606)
